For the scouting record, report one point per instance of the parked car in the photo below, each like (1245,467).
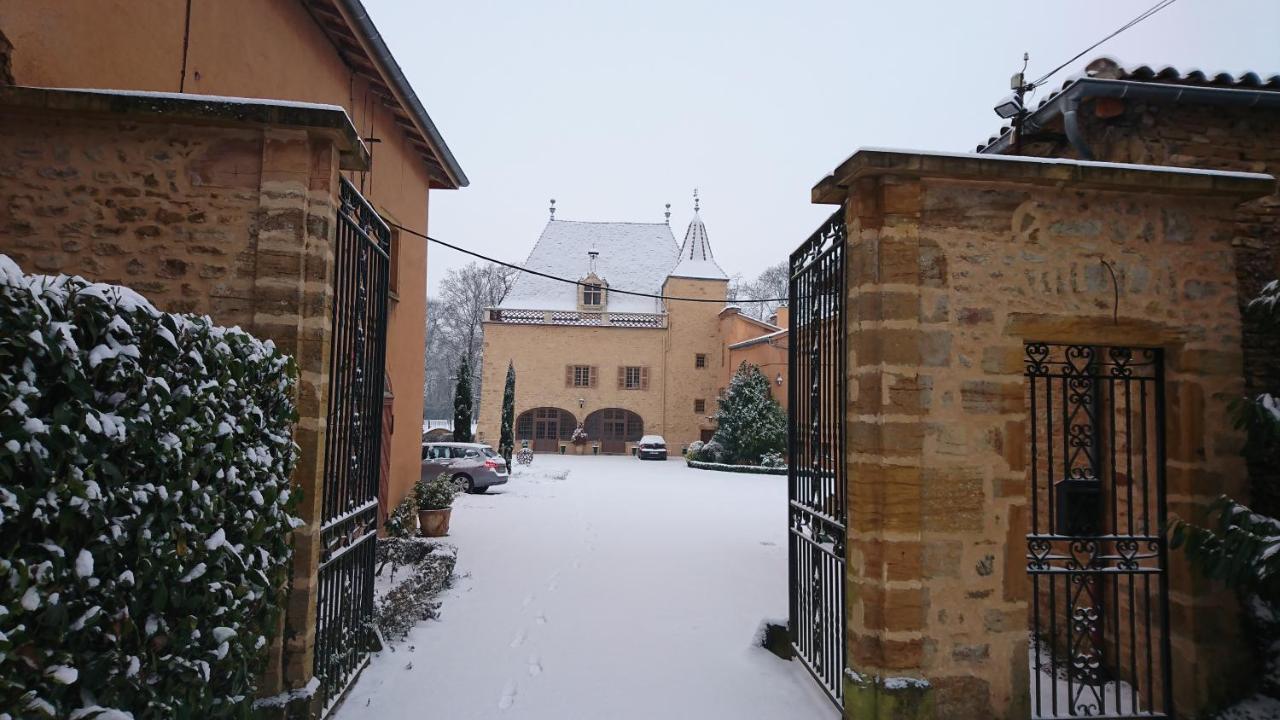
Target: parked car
(475,465)
(652,447)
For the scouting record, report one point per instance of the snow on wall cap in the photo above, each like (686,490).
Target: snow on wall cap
(632,256)
(696,260)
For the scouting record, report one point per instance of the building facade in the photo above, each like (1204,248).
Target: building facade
(608,354)
(220,159)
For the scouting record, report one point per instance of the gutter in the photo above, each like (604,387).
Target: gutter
(355,10)
(1067,105)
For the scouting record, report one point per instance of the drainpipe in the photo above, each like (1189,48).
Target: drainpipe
(1067,105)
(1071,125)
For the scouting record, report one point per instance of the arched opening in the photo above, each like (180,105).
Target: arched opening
(614,428)
(544,428)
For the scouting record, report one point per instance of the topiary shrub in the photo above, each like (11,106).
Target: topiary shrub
(145,510)
(402,522)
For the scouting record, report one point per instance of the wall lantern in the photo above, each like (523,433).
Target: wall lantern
(581,402)
(778,379)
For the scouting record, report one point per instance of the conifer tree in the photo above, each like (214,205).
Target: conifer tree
(750,422)
(462,403)
(507,442)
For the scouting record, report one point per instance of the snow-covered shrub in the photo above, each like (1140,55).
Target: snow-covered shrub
(579,435)
(145,510)
(712,452)
(414,598)
(694,450)
(402,520)
(773,460)
(749,421)
(436,493)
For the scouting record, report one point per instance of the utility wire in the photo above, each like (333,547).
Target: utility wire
(1146,14)
(579,283)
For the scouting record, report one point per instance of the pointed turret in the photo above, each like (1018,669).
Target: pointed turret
(696,260)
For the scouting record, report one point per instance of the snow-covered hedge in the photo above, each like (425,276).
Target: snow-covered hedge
(724,467)
(144,504)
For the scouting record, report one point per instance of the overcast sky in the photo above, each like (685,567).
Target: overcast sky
(615,108)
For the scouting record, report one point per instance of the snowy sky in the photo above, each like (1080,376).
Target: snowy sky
(615,108)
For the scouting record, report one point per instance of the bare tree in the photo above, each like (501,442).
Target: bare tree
(764,291)
(453,330)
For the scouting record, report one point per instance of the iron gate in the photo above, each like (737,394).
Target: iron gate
(352,453)
(816,513)
(1096,549)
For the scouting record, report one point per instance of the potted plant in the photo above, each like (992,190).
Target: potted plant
(434,497)
(579,438)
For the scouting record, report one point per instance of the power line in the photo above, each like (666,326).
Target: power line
(1146,14)
(579,283)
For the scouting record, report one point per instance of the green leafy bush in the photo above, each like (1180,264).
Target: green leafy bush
(145,510)
(403,520)
(436,493)
(749,422)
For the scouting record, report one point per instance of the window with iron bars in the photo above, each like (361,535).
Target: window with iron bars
(700,361)
(699,406)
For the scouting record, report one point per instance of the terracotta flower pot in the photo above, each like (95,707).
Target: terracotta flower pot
(434,523)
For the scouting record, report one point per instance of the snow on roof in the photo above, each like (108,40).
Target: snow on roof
(696,260)
(632,256)
(196,97)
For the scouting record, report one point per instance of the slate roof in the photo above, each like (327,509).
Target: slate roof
(696,260)
(1109,68)
(632,256)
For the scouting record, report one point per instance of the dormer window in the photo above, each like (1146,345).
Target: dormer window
(593,293)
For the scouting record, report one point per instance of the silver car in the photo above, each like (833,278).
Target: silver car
(475,465)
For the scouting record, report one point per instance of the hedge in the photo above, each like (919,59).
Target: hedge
(145,509)
(722,467)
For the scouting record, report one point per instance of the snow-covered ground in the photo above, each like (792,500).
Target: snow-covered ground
(604,587)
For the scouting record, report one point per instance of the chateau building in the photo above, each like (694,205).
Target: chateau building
(608,353)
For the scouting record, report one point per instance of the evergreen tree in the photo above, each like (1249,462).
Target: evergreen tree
(507,443)
(462,403)
(750,422)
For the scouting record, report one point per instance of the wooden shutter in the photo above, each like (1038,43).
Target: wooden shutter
(568,376)
(644,378)
(594,375)
(622,377)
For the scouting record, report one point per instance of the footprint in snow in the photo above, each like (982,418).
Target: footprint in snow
(535,666)
(527,599)
(508,696)
(541,619)
(518,640)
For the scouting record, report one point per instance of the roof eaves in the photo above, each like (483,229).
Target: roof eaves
(357,18)
(758,340)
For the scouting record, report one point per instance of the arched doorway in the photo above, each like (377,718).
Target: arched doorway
(614,428)
(544,428)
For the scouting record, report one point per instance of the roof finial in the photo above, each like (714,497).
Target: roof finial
(695,199)
(553,208)
(668,213)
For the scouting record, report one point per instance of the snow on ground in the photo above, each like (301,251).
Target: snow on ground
(604,587)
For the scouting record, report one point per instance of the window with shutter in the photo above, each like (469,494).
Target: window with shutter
(568,376)
(644,378)
(631,378)
(594,376)
(622,377)
(582,376)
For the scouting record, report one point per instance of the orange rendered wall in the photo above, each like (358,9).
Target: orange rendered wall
(248,48)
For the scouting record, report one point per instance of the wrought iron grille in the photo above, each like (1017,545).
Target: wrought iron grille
(352,453)
(815,450)
(1096,548)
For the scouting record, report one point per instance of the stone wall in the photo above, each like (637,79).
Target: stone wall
(1219,138)
(954,262)
(203,210)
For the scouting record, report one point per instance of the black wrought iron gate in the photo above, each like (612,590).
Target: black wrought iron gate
(816,512)
(1096,548)
(352,454)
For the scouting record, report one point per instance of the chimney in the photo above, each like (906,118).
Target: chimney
(781,316)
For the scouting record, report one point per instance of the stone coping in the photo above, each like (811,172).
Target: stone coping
(1075,174)
(143,106)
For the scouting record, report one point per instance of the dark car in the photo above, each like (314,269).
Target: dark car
(475,465)
(652,447)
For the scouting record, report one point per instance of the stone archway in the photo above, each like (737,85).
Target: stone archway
(544,428)
(614,428)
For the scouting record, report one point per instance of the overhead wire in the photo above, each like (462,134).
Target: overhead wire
(1143,16)
(579,283)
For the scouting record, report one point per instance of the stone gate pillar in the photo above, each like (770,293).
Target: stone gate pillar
(954,262)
